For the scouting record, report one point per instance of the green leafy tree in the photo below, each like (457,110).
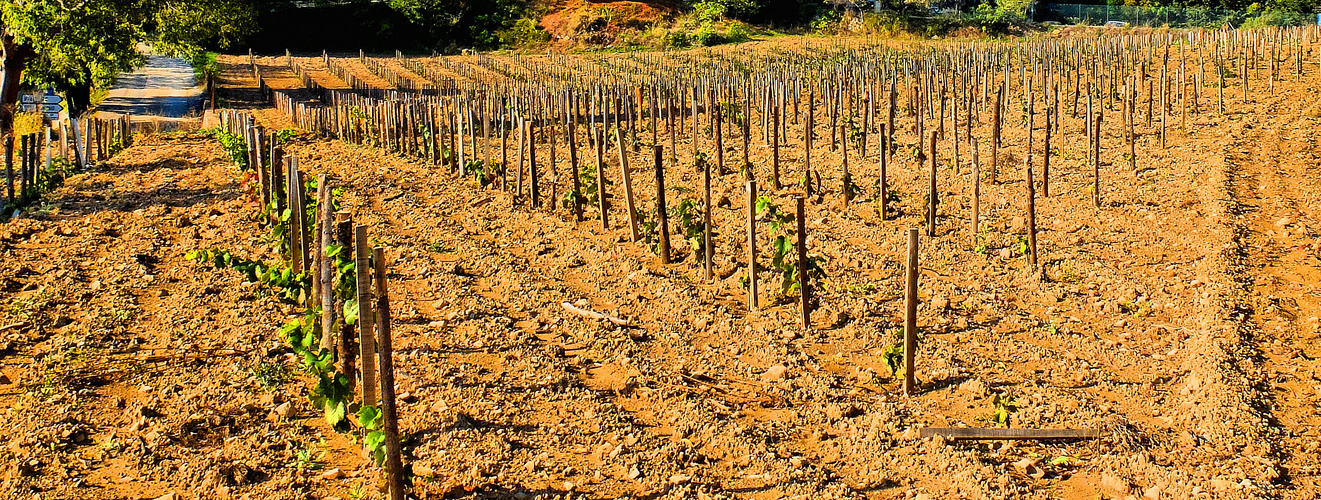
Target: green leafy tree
(75,44)
(475,23)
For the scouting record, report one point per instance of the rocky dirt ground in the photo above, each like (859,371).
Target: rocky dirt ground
(1175,318)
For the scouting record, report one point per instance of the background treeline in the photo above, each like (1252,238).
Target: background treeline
(448,25)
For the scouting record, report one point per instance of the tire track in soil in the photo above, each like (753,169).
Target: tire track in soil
(1278,272)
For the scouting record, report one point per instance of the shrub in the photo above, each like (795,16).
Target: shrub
(707,36)
(524,33)
(827,23)
(204,65)
(888,23)
(738,32)
(676,39)
(1271,17)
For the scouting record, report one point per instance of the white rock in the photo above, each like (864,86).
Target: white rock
(1114,484)
(974,387)
(332,474)
(285,410)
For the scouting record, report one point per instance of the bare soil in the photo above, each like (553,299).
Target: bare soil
(1176,318)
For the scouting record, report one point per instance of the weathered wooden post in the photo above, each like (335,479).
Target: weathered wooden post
(752,245)
(885,160)
(23,158)
(976,194)
(661,214)
(804,284)
(573,168)
(910,315)
(1045,161)
(1096,161)
(1031,217)
(326,295)
(628,186)
(366,331)
(932,198)
(394,464)
(707,247)
(9,168)
(534,186)
(600,180)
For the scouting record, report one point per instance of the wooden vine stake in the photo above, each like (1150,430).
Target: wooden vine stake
(846,177)
(775,147)
(664,226)
(294,232)
(573,172)
(600,181)
(995,132)
(1096,161)
(79,156)
(534,185)
(884,137)
(326,291)
(807,152)
(707,247)
(1031,217)
(976,195)
(344,238)
(394,464)
(910,315)
(366,340)
(752,245)
(804,285)
(932,198)
(9,168)
(1045,162)
(628,186)
(23,157)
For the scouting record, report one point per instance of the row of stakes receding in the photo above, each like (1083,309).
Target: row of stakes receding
(344,333)
(604,101)
(38,162)
(874,100)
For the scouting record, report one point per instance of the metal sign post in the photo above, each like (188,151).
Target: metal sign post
(49,105)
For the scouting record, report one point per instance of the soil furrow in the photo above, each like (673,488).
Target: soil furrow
(1272,167)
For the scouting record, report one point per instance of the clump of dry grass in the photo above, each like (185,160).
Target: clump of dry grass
(27,123)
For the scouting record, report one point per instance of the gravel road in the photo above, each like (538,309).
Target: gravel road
(163,87)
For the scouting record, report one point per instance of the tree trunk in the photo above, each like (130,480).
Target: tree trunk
(15,60)
(78,98)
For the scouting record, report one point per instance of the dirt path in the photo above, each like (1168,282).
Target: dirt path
(1279,218)
(164,87)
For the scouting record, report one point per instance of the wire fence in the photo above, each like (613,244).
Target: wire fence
(1095,15)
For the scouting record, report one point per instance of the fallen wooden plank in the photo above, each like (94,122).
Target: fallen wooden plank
(20,324)
(593,314)
(1009,434)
